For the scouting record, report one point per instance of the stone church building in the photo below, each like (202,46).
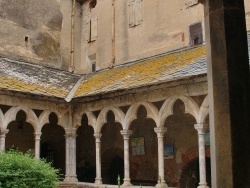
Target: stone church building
(105,89)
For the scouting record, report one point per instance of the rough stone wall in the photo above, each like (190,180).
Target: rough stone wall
(30,30)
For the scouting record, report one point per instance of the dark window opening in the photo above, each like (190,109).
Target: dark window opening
(92,4)
(26,39)
(196,37)
(93,67)
(92,59)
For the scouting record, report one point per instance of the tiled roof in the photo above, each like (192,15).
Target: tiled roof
(157,70)
(23,77)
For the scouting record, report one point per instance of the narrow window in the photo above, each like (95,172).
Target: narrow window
(195,31)
(93,67)
(135,12)
(26,39)
(92,60)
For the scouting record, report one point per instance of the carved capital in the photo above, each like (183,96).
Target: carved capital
(98,135)
(160,131)
(37,135)
(3,132)
(200,128)
(126,133)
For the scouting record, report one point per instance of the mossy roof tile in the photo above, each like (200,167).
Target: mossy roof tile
(23,77)
(143,73)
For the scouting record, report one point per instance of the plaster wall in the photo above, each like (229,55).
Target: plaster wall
(154,35)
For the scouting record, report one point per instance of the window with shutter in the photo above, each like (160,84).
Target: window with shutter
(196,36)
(135,12)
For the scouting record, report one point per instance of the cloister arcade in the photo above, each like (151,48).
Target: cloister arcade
(95,146)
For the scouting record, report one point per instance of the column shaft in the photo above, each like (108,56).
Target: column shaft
(2,139)
(160,136)
(70,175)
(98,179)
(37,144)
(228,91)
(126,134)
(202,155)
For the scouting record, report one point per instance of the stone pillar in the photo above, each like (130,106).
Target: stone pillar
(202,155)
(126,134)
(37,144)
(2,139)
(98,179)
(70,175)
(228,91)
(160,136)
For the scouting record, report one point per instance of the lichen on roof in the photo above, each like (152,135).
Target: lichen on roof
(27,78)
(160,69)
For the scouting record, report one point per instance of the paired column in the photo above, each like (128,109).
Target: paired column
(98,179)
(2,139)
(126,134)
(70,175)
(37,144)
(202,155)
(160,136)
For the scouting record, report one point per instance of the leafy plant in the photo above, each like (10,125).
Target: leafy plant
(22,170)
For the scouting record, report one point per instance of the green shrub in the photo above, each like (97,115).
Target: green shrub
(19,170)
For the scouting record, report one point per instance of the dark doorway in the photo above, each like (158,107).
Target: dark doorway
(116,169)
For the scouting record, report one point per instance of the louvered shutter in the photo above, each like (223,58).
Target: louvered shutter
(138,12)
(94,29)
(131,9)
(88,38)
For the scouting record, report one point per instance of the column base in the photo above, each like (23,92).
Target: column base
(161,185)
(98,181)
(70,179)
(126,182)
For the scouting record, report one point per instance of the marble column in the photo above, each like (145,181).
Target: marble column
(202,155)
(160,136)
(98,179)
(37,144)
(228,91)
(2,139)
(126,134)
(70,175)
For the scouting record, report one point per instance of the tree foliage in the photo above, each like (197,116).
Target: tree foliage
(22,170)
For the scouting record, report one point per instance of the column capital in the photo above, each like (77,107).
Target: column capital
(4,131)
(126,133)
(97,135)
(160,131)
(70,134)
(200,128)
(38,133)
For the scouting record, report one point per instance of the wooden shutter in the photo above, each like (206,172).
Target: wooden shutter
(88,38)
(131,13)
(138,12)
(93,29)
